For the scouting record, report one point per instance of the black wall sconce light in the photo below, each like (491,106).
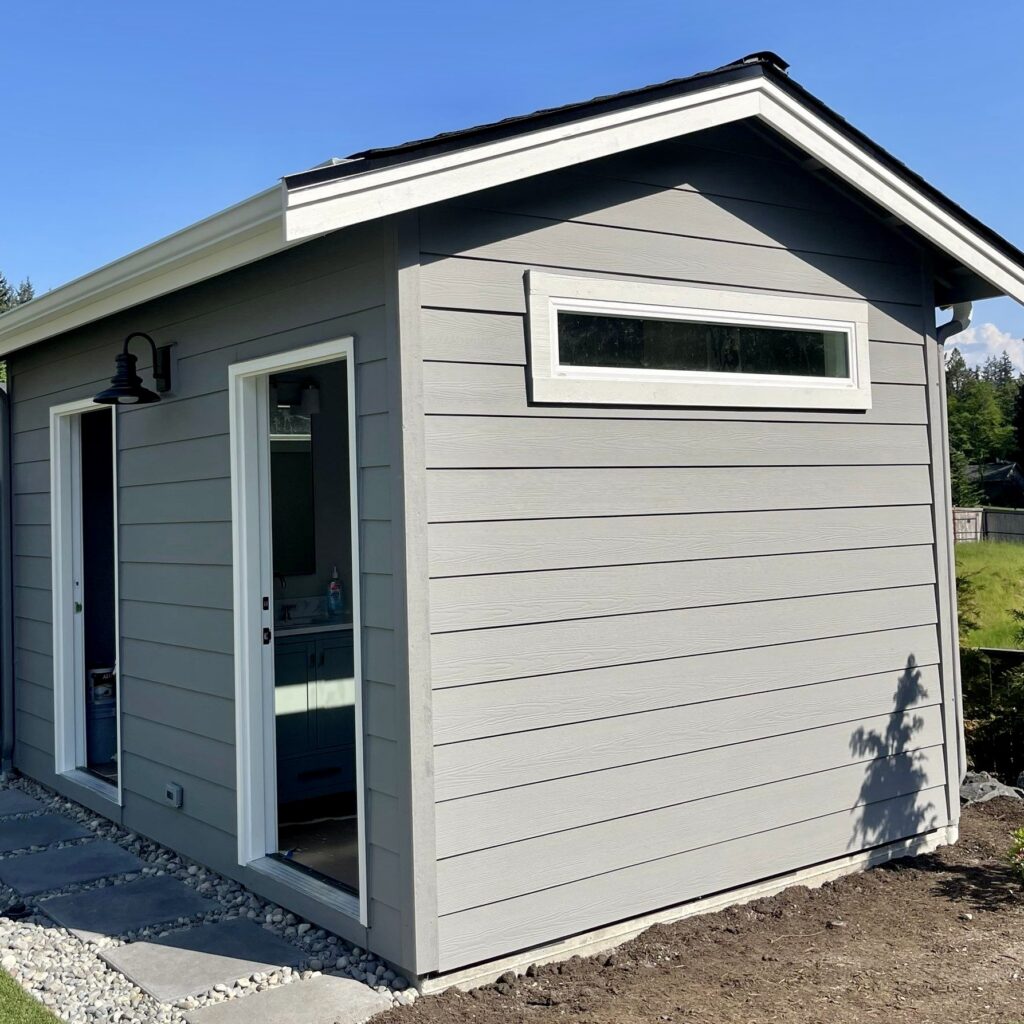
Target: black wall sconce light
(126,387)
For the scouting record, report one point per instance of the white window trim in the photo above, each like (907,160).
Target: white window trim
(548,294)
(65,538)
(254,660)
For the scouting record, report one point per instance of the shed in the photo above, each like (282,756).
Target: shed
(511,538)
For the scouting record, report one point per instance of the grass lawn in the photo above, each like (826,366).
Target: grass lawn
(17,1007)
(997,570)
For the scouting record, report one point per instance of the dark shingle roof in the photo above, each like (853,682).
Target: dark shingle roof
(762,64)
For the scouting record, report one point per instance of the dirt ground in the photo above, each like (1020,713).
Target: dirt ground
(928,939)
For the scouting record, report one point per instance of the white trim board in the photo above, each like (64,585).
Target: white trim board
(549,294)
(277,218)
(65,540)
(254,660)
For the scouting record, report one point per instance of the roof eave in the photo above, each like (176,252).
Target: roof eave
(314,209)
(241,234)
(280,217)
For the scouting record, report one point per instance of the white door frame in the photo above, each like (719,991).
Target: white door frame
(69,747)
(248,395)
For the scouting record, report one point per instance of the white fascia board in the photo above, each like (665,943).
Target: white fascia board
(238,235)
(278,218)
(801,126)
(316,209)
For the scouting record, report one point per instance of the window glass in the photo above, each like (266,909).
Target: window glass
(641,343)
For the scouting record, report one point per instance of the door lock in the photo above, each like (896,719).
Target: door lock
(266,634)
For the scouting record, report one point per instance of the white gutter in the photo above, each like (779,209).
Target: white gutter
(241,234)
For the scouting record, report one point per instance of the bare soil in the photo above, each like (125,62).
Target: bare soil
(928,939)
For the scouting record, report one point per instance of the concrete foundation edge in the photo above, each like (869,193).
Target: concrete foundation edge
(601,940)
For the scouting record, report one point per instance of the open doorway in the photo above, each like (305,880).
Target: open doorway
(85,617)
(297,622)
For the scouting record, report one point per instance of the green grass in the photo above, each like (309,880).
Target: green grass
(997,571)
(18,1007)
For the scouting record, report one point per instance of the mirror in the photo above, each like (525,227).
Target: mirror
(291,489)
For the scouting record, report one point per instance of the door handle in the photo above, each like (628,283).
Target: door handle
(266,634)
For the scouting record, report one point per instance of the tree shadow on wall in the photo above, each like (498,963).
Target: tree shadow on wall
(891,804)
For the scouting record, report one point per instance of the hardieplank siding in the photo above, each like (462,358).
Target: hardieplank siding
(645,654)
(672,650)
(177,683)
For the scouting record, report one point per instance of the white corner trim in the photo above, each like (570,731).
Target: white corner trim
(548,294)
(241,234)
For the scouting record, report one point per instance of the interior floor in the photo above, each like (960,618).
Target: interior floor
(107,771)
(323,839)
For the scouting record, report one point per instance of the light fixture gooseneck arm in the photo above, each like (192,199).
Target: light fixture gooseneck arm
(140,334)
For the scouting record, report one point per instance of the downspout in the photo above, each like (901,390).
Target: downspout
(960,321)
(6,588)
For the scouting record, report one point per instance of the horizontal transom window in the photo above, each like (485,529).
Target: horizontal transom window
(599,341)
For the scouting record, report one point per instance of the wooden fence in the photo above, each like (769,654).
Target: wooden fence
(974,524)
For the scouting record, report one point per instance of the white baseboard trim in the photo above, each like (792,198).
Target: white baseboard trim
(603,939)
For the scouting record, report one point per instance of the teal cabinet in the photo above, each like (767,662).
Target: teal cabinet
(314,707)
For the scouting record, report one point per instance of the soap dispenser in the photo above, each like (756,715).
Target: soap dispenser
(334,596)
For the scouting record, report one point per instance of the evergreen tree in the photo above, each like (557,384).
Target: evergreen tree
(1000,374)
(11,296)
(965,493)
(24,292)
(959,376)
(985,409)
(1018,423)
(978,426)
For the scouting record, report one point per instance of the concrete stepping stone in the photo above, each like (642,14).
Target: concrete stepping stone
(323,1000)
(13,801)
(109,912)
(192,961)
(39,831)
(33,873)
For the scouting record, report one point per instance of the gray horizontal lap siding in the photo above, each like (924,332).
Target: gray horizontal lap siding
(175,542)
(672,650)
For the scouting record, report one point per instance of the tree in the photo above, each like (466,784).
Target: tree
(977,425)
(11,296)
(965,493)
(1002,377)
(985,409)
(959,375)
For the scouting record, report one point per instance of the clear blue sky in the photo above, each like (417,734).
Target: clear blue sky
(126,121)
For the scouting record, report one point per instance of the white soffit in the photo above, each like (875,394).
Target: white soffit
(278,218)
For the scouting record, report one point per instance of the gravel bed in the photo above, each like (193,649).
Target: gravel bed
(67,976)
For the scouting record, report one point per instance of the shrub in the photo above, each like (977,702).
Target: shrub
(993,698)
(1015,858)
